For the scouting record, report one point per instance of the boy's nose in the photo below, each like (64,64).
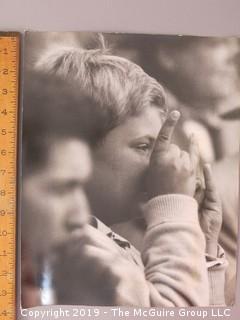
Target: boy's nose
(78,212)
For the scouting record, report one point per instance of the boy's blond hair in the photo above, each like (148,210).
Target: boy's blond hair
(118,86)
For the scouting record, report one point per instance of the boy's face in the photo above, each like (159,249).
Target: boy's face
(54,200)
(116,189)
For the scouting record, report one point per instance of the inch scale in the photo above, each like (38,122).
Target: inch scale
(9,81)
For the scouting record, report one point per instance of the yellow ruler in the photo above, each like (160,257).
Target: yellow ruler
(9,81)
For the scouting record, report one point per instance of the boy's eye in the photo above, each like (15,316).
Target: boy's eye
(144,147)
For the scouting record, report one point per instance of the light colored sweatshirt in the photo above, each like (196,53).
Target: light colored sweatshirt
(173,256)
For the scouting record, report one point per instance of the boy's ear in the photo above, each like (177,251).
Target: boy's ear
(166,60)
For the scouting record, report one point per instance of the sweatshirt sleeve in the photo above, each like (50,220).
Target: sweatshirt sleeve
(174,252)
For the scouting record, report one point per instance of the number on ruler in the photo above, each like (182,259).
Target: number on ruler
(4,91)
(4,51)
(3,293)
(2,213)
(3,233)
(4,313)
(3,112)
(3,253)
(3,152)
(4,273)
(2,193)
(4,71)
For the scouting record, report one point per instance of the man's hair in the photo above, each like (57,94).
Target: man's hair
(118,87)
(53,110)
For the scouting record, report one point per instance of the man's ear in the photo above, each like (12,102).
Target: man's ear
(166,60)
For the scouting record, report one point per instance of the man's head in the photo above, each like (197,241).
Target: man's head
(54,199)
(202,72)
(131,108)
(56,162)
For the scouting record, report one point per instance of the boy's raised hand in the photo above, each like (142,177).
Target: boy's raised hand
(171,170)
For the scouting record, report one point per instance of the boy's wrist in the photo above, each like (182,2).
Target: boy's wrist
(171,207)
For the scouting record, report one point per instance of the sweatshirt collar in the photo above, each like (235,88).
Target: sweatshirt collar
(122,242)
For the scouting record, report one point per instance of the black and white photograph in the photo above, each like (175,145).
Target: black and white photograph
(130,169)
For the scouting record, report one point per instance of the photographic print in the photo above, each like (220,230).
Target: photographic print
(130,170)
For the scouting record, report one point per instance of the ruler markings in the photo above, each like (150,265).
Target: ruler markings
(9,64)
